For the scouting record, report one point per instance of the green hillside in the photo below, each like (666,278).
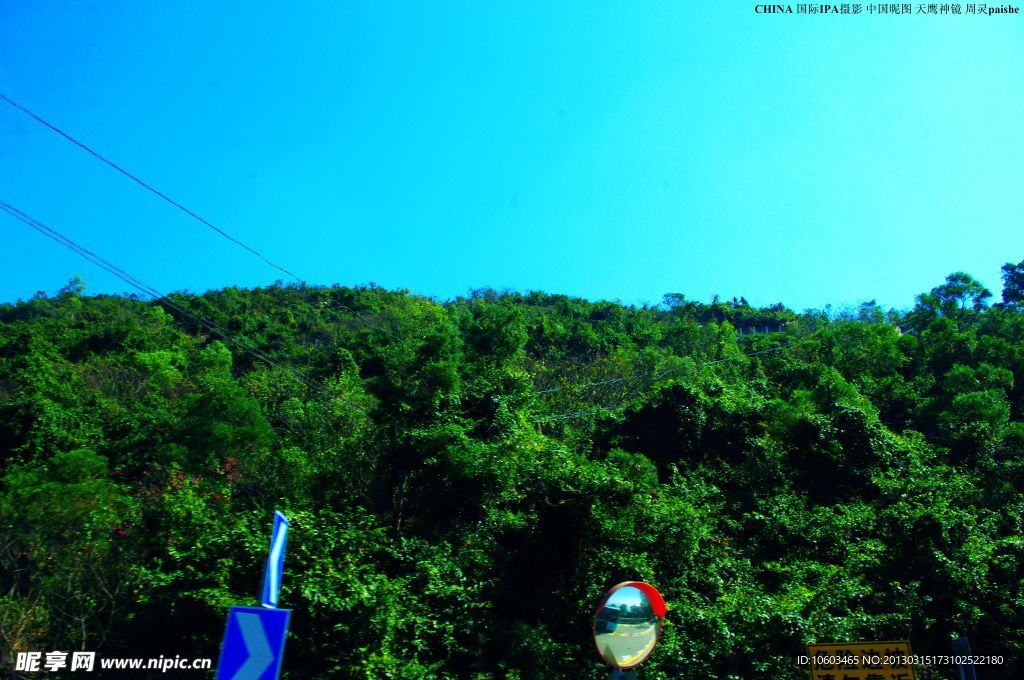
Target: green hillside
(464,479)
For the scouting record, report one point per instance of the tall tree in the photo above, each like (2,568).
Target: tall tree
(1013,283)
(960,298)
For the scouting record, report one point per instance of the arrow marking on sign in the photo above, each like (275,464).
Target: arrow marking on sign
(256,643)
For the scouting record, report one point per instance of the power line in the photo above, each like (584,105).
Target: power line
(593,384)
(159,297)
(146,186)
(596,409)
(136,283)
(659,375)
(569,415)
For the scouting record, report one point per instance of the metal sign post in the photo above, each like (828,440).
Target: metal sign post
(253,647)
(275,561)
(962,647)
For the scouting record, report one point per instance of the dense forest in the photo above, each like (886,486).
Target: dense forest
(464,479)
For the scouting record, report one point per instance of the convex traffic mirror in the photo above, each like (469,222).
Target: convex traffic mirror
(627,623)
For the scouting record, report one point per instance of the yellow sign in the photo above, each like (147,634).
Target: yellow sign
(861,661)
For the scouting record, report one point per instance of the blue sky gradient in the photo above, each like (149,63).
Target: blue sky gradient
(605,150)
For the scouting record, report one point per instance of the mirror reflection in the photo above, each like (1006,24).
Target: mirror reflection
(626,628)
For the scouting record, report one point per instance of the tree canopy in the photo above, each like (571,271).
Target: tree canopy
(465,478)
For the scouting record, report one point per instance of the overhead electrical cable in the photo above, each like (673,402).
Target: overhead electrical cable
(146,186)
(661,374)
(159,297)
(597,408)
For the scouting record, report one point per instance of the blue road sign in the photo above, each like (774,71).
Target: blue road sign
(253,644)
(275,561)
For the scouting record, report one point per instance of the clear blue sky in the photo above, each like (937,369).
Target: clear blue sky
(615,151)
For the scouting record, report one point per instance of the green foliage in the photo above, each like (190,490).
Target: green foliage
(960,298)
(63,527)
(1013,283)
(471,476)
